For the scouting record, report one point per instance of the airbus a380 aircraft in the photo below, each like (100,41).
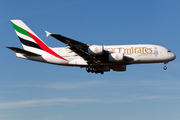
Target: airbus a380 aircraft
(95,58)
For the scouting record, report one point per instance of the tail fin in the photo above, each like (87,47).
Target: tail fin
(30,41)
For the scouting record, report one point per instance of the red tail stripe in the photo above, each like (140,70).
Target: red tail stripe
(44,46)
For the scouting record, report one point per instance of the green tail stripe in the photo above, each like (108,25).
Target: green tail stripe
(20,30)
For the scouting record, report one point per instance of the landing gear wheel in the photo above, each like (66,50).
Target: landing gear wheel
(164,67)
(94,69)
(102,72)
(88,70)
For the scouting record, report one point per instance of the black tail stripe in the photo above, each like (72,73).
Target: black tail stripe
(29,43)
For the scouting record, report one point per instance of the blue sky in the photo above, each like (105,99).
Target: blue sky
(37,91)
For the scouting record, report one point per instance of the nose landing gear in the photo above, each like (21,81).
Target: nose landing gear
(165,66)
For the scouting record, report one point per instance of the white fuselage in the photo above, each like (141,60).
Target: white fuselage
(142,53)
(96,58)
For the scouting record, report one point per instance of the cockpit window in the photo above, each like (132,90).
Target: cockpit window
(168,51)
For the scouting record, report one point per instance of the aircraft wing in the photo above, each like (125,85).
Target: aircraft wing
(24,52)
(78,47)
(65,39)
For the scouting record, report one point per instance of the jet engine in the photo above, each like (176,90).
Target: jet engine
(95,50)
(116,57)
(119,68)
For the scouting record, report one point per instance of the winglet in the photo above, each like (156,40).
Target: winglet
(47,33)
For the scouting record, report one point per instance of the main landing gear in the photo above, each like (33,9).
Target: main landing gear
(95,69)
(165,66)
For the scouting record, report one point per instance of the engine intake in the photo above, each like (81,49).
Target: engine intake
(95,50)
(116,57)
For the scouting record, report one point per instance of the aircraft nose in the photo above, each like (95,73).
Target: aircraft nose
(173,56)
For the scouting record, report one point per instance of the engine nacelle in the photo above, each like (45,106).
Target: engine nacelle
(116,57)
(95,50)
(106,69)
(119,68)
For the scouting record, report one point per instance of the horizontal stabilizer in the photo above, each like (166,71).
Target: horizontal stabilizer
(21,51)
